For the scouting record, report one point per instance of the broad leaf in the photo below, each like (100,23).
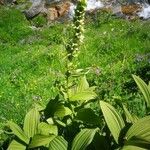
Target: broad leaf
(82,92)
(129,118)
(14,145)
(83,139)
(144,89)
(58,143)
(141,129)
(88,116)
(85,95)
(31,122)
(113,119)
(18,132)
(132,147)
(62,111)
(41,140)
(136,144)
(55,108)
(47,129)
(83,84)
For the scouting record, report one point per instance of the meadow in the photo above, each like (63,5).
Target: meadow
(31,60)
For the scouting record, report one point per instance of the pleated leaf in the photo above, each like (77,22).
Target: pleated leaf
(18,132)
(82,92)
(113,119)
(83,139)
(31,122)
(144,88)
(58,143)
(132,147)
(47,129)
(83,84)
(141,129)
(14,145)
(41,140)
(129,117)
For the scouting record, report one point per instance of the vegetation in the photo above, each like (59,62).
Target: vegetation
(42,69)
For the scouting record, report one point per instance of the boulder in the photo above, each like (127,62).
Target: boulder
(35,9)
(58,11)
(131,9)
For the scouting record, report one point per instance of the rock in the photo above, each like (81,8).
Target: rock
(63,9)
(130,10)
(58,11)
(52,14)
(34,10)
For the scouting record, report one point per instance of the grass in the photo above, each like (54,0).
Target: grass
(31,60)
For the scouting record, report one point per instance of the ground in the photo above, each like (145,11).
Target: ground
(31,60)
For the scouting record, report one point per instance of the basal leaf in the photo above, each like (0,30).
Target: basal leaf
(31,122)
(140,129)
(18,132)
(144,89)
(58,143)
(47,129)
(41,140)
(83,139)
(113,119)
(14,145)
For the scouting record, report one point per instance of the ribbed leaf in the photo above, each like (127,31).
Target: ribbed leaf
(144,89)
(129,118)
(56,108)
(132,147)
(83,139)
(62,111)
(82,92)
(41,140)
(18,132)
(83,84)
(58,143)
(113,119)
(88,116)
(136,143)
(141,129)
(31,122)
(14,145)
(47,129)
(83,96)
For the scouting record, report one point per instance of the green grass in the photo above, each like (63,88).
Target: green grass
(31,60)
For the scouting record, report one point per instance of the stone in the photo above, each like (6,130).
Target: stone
(52,14)
(63,9)
(130,9)
(58,11)
(34,10)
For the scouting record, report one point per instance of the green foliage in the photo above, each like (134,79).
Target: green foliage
(83,139)
(39,21)
(31,122)
(144,88)
(68,121)
(113,119)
